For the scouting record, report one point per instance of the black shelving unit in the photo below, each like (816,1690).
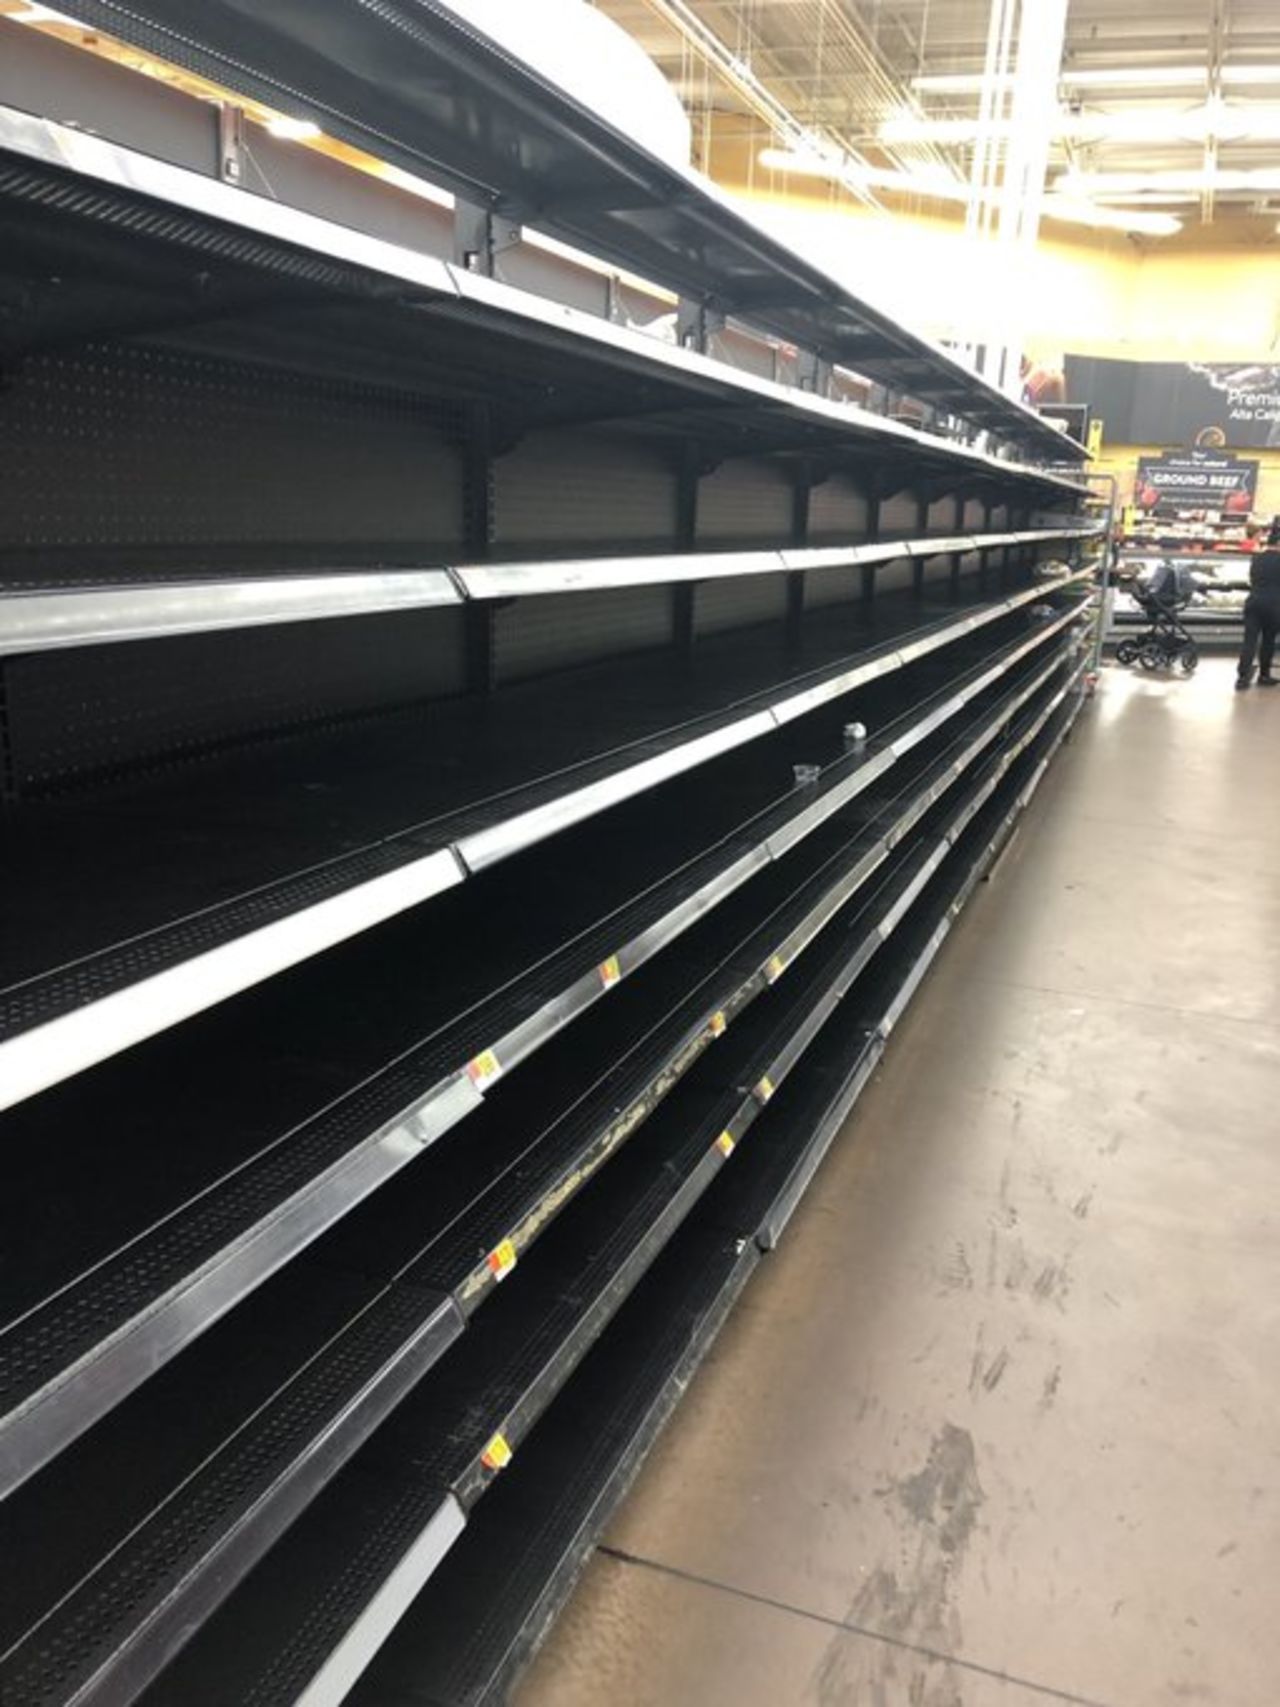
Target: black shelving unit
(478,785)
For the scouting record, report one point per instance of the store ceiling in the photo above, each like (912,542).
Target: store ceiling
(1167,109)
(1183,87)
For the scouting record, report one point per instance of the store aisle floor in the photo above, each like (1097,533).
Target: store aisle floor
(999,1424)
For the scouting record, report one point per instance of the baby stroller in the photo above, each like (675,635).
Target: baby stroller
(1166,592)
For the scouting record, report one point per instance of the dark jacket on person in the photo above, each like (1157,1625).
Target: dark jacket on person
(1264,575)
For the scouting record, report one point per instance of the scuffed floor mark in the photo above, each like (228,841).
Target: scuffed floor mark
(1080,1208)
(911,1604)
(995,1371)
(945,1497)
(985,1374)
(957,1273)
(1049,1392)
(1046,1282)
(1005,1214)
(1052,1283)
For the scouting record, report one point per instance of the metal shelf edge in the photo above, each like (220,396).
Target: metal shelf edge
(55,1050)
(102,616)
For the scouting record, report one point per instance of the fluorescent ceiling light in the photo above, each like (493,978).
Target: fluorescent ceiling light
(1156,198)
(1210,119)
(1065,203)
(1137,77)
(1249,74)
(957,83)
(1264,179)
(1077,210)
(836,168)
(292,130)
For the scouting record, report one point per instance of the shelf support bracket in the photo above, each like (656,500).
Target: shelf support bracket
(481,235)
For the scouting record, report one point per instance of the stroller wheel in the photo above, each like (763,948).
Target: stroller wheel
(1152,655)
(1188,658)
(1127,652)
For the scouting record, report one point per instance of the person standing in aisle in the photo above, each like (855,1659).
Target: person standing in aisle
(1262,613)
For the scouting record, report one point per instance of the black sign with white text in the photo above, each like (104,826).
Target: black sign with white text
(1210,405)
(1195,480)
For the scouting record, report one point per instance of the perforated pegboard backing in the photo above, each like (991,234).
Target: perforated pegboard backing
(124,453)
(79,716)
(749,499)
(736,604)
(837,512)
(534,636)
(583,489)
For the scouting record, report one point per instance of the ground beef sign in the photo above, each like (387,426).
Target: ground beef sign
(1195,480)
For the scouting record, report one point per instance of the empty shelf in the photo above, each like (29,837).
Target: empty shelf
(175,1248)
(381,1528)
(159,900)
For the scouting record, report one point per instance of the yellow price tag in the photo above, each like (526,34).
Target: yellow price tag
(497,1455)
(502,1259)
(609,971)
(765,1089)
(484,1067)
(719,1024)
(725,1143)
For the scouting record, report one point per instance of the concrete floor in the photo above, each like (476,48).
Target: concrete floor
(999,1424)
